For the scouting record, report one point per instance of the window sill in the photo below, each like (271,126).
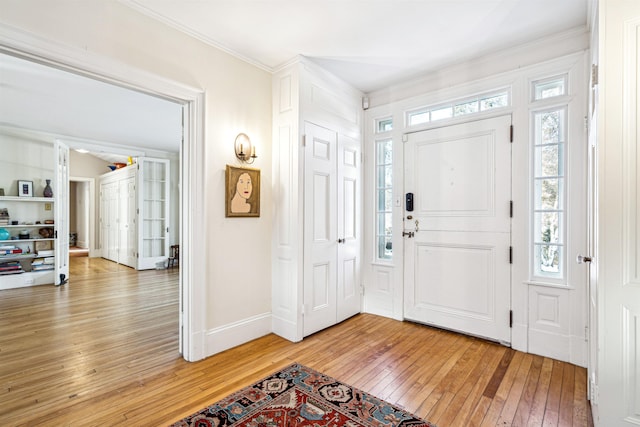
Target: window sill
(549,285)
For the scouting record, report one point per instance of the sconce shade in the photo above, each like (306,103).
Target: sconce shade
(245,151)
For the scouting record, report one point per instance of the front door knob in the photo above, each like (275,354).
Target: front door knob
(582,259)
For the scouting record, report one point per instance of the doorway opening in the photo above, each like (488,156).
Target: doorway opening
(191,160)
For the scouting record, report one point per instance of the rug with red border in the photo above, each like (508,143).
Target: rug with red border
(298,396)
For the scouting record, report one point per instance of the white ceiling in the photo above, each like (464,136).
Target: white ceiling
(369,43)
(83,111)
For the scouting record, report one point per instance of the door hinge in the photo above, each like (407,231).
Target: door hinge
(304,140)
(55,234)
(594,75)
(510,254)
(511,318)
(511,133)
(510,208)
(302,310)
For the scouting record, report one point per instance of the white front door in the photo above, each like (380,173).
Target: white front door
(62,214)
(457,244)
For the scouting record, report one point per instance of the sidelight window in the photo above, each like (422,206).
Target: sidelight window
(384,198)
(549,187)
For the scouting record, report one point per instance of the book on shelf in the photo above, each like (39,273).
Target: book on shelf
(10,267)
(42,261)
(45,253)
(6,247)
(13,251)
(42,267)
(5,273)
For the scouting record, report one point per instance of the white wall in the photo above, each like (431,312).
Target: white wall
(238,99)
(26,159)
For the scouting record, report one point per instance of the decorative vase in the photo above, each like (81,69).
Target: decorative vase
(48,192)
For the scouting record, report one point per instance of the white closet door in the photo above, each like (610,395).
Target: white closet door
(62,214)
(320,230)
(153,212)
(349,229)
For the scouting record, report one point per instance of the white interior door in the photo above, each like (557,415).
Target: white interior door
(126,221)
(320,229)
(349,228)
(62,214)
(457,259)
(618,239)
(109,220)
(153,212)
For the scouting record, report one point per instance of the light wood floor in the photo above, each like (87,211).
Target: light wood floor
(102,350)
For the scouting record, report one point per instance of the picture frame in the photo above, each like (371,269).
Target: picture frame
(242,195)
(25,188)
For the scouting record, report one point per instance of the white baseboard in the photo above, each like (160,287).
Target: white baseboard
(551,345)
(234,334)
(285,328)
(579,351)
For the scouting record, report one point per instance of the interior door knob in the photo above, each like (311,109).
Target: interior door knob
(582,259)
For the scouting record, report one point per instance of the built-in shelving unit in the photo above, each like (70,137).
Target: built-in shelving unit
(27,257)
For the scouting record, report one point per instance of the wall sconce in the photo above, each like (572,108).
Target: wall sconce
(245,151)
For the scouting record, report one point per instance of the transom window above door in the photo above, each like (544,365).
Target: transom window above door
(461,107)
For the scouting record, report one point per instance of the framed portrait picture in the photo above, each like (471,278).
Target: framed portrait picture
(25,188)
(243,192)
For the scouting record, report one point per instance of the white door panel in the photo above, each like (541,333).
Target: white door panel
(457,267)
(153,216)
(349,214)
(617,261)
(62,214)
(320,229)
(332,228)
(457,282)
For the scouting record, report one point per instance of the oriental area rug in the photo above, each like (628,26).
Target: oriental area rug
(298,396)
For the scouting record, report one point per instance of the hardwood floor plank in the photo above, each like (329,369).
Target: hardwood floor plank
(493,414)
(470,401)
(581,409)
(536,416)
(515,392)
(566,396)
(103,350)
(524,406)
(552,408)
